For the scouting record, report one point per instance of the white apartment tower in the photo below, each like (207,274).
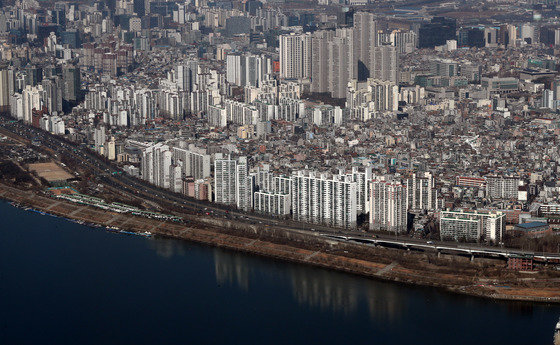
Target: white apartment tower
(324,200)
(243,185)
(388,208)
(32,99)
(225,171)
(193,161)
(157,164)
(295,56)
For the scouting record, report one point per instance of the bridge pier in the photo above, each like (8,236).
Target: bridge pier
(439,253)
(472,257)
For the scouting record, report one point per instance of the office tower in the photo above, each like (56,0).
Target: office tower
(71,38)
(388,208)
(58,15)
(444,68)
(345,17)
(252,6)
(33,75)
(4,89)
(295,56)
(527,33)
(224,181)
(421,192)
(238,25)
(324,200)
(507,35)
(490,37)
(365,40)
(72,81)
(437,32)
(471,37)
(472,226)
(139,8)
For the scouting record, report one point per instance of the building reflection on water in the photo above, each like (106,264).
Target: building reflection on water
(313,287)
(232,269)
(166,247)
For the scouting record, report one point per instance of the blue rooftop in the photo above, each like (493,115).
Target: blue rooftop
(531,225)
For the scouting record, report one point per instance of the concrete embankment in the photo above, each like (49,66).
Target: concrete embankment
(485,278)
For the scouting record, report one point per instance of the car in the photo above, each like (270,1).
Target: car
(430,242)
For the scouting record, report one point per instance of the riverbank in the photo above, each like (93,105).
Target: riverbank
(483,277)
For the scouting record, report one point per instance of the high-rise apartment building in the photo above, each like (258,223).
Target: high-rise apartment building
(247,69)
(53,94)
(193,161)
(186,75)
(363,178)
(365,40)
(332,61)
(499,187)
(225,171)
(272,203)
(388,208)
(384,63)
(421,192)
(365,100)
(324,200)
(244,185)
(320,60)
(157,165)
(295,56)
(340,62)
(472,226)
(32,99)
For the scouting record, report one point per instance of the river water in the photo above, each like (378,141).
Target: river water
(65,283)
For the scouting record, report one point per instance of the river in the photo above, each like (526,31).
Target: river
(65,283)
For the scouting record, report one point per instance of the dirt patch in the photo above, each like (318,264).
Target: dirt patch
(50,171)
